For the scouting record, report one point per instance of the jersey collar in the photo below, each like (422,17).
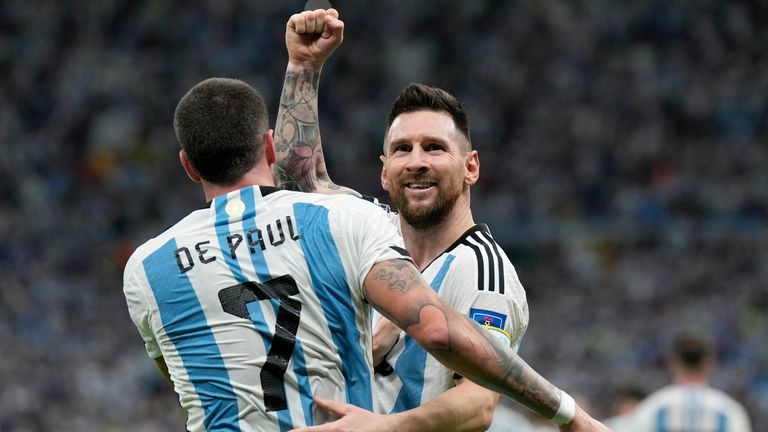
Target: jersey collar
(476,228)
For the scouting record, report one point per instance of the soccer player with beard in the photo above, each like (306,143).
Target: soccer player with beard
(428,168)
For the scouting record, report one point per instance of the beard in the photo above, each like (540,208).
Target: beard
(424,217)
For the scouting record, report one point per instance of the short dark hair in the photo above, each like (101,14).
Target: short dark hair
(421,97)
(219,124)
(691,348)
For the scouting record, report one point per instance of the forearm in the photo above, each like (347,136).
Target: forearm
(385,336)
(467,407)
(397,289)
(300,161)
(476,355)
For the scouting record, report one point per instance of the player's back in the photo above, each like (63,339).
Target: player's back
(691,408)
(256,305)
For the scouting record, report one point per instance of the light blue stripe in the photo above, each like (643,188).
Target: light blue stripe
(661,420)
(722,422)
(413,360)
(302,377)
(438,281)
(185,324)
(330,283)
(691,410)
(249,223)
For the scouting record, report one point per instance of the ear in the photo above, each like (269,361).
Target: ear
(191,171)
(269,147)
(472,167)
(384,182)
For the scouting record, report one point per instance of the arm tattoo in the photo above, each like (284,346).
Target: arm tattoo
(297,133)
(399,275)
(533,390)
(469,344)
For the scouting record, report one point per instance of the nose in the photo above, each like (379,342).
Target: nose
(417,160)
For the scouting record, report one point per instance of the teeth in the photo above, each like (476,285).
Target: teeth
(419,185)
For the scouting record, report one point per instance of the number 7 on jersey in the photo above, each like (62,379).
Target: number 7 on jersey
(235,301)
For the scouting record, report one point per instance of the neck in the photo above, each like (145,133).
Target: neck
(425,245)
(257,176)
(691,377)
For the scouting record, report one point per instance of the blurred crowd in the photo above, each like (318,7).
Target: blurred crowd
(624,162)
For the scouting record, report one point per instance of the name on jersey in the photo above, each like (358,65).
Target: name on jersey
(277,233)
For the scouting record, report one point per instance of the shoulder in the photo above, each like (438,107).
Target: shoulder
(152,245)
(478,256)
(342,203)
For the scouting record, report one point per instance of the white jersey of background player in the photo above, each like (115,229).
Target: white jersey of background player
(689,403)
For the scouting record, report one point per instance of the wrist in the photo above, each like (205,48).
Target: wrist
(304,65)
(399,422)
(566,411)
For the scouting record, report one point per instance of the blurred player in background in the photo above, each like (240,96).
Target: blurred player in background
(429,166)
(689,403)
(628,397)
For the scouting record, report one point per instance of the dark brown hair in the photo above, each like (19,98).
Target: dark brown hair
(220,123)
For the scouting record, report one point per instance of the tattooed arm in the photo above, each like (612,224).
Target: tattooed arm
(397,290)
(310,37)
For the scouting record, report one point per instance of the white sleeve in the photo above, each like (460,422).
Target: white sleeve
(504,315)
(371,237)
(740,420)
(138,308)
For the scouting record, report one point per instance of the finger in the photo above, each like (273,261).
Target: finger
(293,20)
(333,27)
(311,18)
(332,406)
(327,31)
(333,12)
(300,23)
(315,25)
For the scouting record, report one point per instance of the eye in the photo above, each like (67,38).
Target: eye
(401,147)
(433,147)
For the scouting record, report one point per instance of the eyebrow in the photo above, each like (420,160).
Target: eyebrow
(428,139)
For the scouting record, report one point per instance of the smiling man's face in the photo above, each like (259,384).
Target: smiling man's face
(424,166)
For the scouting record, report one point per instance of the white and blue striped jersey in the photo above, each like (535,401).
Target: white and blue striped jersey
(474,276)
(688,408)
(256,304)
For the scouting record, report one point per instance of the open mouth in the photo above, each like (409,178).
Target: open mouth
(420,185)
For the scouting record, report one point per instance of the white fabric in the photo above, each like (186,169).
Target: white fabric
(694,408)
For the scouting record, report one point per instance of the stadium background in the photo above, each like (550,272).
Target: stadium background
(624,169)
